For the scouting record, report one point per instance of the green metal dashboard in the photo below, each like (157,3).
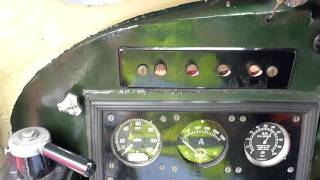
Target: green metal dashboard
(116,72)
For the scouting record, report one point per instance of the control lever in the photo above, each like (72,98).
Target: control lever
(33,153)
(77,163)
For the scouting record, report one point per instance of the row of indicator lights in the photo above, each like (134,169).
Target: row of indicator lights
(161,70)
(223,70)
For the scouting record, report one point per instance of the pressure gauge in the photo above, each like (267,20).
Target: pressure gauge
(267,144)
(203,143)
(136,142)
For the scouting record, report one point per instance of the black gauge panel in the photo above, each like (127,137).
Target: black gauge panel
(201,144)
(190,147)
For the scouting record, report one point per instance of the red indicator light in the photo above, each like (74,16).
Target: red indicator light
(192,70)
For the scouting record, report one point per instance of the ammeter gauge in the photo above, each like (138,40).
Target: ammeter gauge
(267,144)
(136,142)
(203,142)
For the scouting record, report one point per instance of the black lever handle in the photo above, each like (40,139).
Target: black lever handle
(73,161)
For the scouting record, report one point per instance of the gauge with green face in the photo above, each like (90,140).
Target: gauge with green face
(136,142)
(203,142)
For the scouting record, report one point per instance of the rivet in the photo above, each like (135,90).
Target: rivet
(296,119)
(227,169)
(162,167)
(243,119)
(111,165)
(176,117)
(110,117)
(163,118)
(174,168)
(238,169)
(290,170)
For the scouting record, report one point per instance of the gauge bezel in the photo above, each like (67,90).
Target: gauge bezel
(280,156)
(136,164)
(216,160)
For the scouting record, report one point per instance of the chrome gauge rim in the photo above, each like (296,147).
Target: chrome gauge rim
(279,157)
(114,144)
(214,134)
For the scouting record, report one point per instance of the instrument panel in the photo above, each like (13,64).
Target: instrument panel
(168,141)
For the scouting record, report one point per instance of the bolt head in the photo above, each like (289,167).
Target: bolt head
(29,134)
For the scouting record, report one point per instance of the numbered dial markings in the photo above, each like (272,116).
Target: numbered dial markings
(203,143)
(136,142)
(267,144)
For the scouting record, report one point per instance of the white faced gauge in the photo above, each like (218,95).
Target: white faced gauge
(267,144)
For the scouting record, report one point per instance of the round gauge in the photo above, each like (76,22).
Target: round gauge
(267,144)
(203,142)
(136,142)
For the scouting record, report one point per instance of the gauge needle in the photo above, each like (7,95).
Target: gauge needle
(127,149)
(265,141)
(188,145)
